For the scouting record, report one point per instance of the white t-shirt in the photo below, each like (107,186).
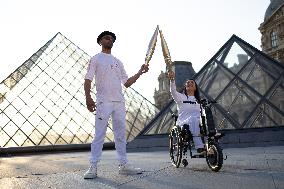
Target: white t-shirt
(186,111)
(109,74)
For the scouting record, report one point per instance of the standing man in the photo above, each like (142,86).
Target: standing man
(109,74)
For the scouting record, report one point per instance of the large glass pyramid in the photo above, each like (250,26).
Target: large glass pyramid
(247,84)
(43,103)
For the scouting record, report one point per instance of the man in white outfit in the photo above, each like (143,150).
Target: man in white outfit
(109,75)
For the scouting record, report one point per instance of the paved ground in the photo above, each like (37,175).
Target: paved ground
(257,167)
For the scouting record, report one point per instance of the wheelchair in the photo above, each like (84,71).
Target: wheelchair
(181,140)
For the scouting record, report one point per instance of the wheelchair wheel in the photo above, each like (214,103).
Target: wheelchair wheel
(175,147)
(214,156)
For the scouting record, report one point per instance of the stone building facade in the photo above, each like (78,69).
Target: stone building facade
(162,95)
(272,30)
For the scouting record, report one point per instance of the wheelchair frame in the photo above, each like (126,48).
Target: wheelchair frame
(181,139)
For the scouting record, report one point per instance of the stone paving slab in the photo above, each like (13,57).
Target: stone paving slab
(255,167)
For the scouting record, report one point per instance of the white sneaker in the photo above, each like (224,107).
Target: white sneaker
(128,169)
(91,173)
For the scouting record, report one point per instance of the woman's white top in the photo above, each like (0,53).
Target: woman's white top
(186,111)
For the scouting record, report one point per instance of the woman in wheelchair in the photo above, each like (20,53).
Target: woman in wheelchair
(188,113)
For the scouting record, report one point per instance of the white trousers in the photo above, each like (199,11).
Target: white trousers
(103,113)
(193,122)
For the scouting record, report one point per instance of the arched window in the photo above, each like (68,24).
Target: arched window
(274,39)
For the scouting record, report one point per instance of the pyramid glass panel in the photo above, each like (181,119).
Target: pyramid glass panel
(277,97)
(236,58)
(221,55)
(221,120)
(265,116)
(247,84)
(211,83)
(257,77)
(237,98)
(43,102)
(163,122)
(248,69)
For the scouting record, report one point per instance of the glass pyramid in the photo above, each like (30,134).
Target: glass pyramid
(43,103)
(247,84)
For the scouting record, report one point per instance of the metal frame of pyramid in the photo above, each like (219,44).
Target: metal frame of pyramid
(247,84)
(43,103)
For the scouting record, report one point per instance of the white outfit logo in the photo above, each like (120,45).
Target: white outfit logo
(114,66)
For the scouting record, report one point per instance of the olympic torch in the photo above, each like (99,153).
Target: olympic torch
(166,52)
(151,46)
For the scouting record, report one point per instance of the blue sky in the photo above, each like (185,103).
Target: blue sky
(193,29)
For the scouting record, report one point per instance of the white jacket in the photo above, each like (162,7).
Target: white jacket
(109,75)
(186,111)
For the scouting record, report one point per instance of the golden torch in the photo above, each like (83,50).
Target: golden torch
(166,52)
(151,46)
